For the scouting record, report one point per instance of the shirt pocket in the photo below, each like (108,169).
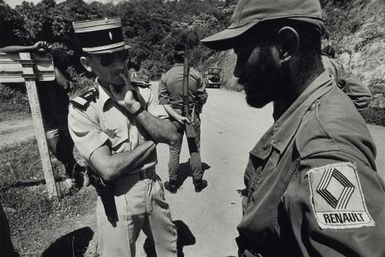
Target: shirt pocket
(119,143)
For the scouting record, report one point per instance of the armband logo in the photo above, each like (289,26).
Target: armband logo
(337,198)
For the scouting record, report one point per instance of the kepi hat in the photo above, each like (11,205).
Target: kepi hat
(100,36)
(248,13)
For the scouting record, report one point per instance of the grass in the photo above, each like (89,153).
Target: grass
(33,217)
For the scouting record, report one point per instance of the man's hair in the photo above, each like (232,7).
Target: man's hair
(309,34)
(61,60)
(179,53)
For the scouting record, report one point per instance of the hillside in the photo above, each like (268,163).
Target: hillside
(357,31)
(363,51)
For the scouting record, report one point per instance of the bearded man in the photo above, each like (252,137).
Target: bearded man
(312,188)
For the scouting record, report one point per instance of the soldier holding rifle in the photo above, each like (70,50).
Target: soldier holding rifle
(182,93)
(116,127)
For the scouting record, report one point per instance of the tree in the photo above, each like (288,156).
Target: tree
(12,27)
(151,27)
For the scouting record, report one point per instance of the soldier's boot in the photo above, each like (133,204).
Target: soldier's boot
(171,186)
(200,185)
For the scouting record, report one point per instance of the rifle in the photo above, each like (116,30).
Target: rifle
(189,129)
(190,132)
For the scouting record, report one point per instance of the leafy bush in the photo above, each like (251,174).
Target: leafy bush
(342,17)
(151,27)
(375,116)
(13,98)
(81,85)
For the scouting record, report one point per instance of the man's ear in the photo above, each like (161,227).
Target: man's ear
(288,42)
(85,61)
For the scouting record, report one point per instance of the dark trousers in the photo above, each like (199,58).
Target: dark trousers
(6,247)
(195,158)
(61,145)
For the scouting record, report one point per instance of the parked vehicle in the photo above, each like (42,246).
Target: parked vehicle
(213,77)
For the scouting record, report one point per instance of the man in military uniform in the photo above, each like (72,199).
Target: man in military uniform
(312,188)
(116,127)
(346,80)
(172,98)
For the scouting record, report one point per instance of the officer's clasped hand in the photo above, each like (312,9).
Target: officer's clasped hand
(183,120)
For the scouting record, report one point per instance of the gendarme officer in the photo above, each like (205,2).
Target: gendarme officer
(116,128)
(312,188)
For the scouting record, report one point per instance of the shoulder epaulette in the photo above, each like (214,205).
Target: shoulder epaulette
(138,83)
(84,100)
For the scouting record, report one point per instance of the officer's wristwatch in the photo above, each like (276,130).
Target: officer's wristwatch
(141,109)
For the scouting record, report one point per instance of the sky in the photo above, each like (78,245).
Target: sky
(13,3)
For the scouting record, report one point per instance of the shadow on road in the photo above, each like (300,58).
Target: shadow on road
(74,243)
(185,237)
(185,171)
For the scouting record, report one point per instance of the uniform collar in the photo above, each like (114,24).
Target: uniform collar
(283,130)
(104,96)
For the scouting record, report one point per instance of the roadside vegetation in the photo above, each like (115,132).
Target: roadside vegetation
(33,217)
(152,27)
(356,31)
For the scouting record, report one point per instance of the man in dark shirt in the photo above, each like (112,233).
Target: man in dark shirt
(311,183)
(54,103)
(6,246)
(171,97)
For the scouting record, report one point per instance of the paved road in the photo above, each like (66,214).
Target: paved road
(230,129)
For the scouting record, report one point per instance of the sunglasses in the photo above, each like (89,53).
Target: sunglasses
(108,59)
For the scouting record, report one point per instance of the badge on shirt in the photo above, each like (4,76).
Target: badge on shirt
(111,133)
(336,197)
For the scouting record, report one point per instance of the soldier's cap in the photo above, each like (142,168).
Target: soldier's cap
(249,13)
(100,36)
